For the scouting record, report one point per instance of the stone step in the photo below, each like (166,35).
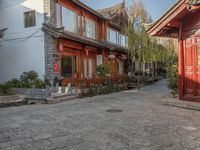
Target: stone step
(62,98)
(59,96)
(182,104)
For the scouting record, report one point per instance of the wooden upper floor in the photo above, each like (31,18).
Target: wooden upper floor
(78,19)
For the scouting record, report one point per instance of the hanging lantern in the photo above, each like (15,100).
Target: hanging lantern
(86,52)
(56,67)
(111,56)
(123,57)
(61,48)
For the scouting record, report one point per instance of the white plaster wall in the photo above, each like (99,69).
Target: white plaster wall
(21,49)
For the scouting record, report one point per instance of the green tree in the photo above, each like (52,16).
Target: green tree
(132,39)
(144,49)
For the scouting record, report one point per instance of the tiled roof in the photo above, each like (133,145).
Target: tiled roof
(193,2)
(78,2)
(190,2)
(150,25)
(110,11)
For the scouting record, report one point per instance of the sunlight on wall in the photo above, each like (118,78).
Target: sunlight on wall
(34,5)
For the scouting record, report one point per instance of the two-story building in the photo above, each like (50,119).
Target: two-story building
(61,39)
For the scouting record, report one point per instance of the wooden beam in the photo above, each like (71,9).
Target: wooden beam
(193,8)
(167,18)
(174,24)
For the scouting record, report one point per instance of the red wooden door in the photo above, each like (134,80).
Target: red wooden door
(197,65)
(192,68)
(189,78)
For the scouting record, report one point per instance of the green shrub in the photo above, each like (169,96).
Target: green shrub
(30,76)
(39,84)
(103,69)
(27,80)
(172,78)
(5,89)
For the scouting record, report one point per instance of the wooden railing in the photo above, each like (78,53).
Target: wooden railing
(95,81)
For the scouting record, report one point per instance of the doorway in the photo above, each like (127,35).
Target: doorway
(69,66)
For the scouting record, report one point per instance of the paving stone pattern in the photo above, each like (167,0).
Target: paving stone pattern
(85,124)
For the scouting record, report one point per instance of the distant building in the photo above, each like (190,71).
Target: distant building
(182,21)
(61,39)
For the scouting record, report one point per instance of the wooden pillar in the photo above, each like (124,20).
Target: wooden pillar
(180,65)
(78,70)
(105,31)
(104,56)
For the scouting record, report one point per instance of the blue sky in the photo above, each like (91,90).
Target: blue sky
(155,7)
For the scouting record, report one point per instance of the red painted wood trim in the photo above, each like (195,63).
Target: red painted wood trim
(167,18)
(180,65)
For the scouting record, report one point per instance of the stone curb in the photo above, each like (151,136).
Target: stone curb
(13,100)
(182,104)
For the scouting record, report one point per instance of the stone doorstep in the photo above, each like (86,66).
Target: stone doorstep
(182,104)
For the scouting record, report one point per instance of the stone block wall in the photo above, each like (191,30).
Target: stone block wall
(50,43)
(41,94)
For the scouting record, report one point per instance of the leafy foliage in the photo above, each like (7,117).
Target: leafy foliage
(132,38)
(27,80)
(5,89)
(172,77)
(30,76)
(102,69)
(143,48)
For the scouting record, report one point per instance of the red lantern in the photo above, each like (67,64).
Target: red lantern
(56,67)
(86,52)
(111,56)
(61,48)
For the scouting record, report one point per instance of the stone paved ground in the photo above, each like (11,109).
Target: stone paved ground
(84,124)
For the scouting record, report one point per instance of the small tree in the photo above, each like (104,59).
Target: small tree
(30,80)
(29,76)
(102,69)
(172,76)
(132,38)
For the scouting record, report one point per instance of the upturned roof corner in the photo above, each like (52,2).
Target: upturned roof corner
(110,11)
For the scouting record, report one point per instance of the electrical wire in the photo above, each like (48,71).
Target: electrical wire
(22,39)
(31,35)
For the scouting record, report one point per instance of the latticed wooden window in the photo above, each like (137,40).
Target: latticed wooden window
(29,19)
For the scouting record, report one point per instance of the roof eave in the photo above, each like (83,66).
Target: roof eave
(169,12)
(60,33)
(89,9)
